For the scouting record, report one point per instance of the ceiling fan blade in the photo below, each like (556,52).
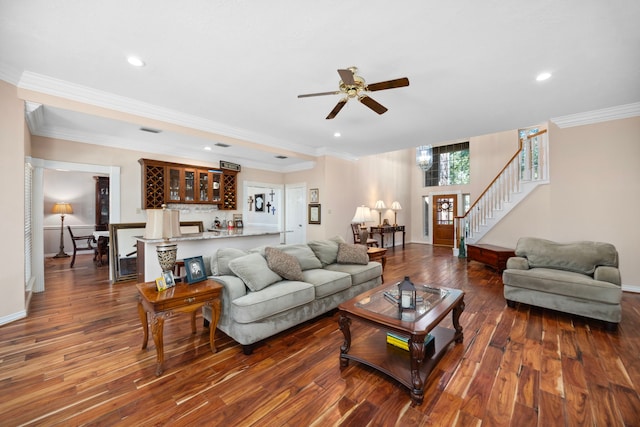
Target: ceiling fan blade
(389,84)
(307,95)
(337,108)
(374,105)
(347,77)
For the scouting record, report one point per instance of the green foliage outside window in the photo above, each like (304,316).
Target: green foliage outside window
(450,166)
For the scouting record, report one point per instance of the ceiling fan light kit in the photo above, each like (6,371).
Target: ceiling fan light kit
(353,86)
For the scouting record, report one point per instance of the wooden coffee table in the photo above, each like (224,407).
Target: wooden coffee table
(182,298)
(411,368)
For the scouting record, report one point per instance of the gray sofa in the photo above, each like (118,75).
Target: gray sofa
(266,292)
(580,278)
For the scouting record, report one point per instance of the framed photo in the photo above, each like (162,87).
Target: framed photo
(161,284)
(259,201)
(238,223)
(314,195)
(195,269)
(314,214)
(168,278)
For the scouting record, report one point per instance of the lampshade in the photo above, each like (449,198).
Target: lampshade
(162,224)
(379,205)
(62,208)
(424,157)
(362,215)
(395,206)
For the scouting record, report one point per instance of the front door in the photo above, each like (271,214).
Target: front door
(444,209)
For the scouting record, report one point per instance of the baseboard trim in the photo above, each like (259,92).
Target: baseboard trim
(13,317)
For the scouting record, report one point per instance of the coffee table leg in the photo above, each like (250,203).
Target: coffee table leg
(143,320)
(344,322)
(457,311)
(416,350)
(157,326)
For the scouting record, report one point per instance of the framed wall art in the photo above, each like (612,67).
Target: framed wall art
(314,214)
(314,195)
(259,201)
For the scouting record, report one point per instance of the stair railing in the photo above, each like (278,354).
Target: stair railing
(529,163)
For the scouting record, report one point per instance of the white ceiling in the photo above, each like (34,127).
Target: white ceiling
(232,70)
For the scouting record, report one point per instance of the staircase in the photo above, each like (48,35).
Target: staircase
(526,170)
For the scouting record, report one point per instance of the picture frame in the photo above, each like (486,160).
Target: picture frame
(238,223)
(161,285)
(314,213)
(195,269)
(168,278)
(314,195)
(259,202)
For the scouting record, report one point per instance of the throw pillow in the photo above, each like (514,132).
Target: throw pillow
(254,271)
(303,254)
(220,262)
(325,250)
(352,254)
(284,264)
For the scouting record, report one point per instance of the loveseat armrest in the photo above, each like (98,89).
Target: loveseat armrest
(607,274)
(517,263)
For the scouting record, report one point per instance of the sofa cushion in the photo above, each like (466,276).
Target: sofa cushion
(274,299)
(221,258)
(580,257)
(304,254)
(283,264)
(359,273)
(326,250)
(349,253)
(254,271)
(565,283)
(327,282)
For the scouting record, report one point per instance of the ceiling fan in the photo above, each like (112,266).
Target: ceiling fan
(353,86)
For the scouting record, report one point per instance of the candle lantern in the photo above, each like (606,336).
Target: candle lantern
(407,292)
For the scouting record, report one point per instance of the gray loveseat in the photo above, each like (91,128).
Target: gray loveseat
(266,292)
(579,278)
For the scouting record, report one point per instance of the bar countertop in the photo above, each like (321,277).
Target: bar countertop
(218,234)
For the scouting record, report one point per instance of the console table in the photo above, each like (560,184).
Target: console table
(386,230)
(493,256)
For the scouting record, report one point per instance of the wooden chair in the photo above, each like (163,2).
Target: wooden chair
(356,236)
(82,243)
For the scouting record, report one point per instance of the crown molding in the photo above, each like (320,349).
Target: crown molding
(86,95)
(596,116)
(9,74)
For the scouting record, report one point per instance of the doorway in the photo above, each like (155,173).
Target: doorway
(443,211)
(295,214)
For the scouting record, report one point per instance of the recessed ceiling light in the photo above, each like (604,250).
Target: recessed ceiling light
(543,76)
(135,61)
(337,134)
(207,148)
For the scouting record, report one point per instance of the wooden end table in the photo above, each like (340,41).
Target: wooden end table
(182,298)
(412,367)
(378,254)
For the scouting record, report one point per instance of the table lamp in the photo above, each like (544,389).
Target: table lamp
(379,206)
(164,224)
(362,216)
(62,209)
(395,207)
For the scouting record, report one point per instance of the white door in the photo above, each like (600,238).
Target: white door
(295,214)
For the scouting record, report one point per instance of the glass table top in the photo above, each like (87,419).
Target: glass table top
(386,302)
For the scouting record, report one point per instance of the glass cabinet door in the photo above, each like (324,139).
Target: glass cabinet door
(174,184)
(217,187)
(189,185)
(204,186)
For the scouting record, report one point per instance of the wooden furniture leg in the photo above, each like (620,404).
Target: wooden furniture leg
(157,327)
(145,327)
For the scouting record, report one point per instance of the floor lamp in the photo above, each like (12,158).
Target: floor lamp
(62,209)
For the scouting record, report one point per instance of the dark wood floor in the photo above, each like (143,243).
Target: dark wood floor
(76,360)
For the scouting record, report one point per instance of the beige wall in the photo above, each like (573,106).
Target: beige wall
(593,194)
(14,144)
